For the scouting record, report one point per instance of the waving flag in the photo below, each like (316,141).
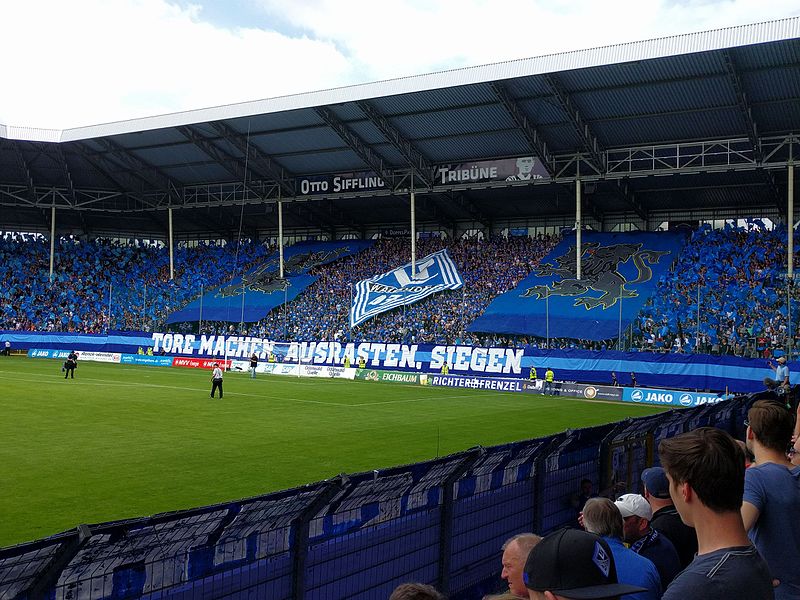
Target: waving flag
(435,273)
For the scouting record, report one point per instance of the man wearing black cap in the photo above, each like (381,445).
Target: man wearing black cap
(666,519)
(71,364)
(575,565)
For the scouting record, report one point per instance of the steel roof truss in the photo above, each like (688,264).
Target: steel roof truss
(625,193)
(123,182)
(149,173)
(588,139)
(26,169)
(416,159)
(257,160)
(355,143)
(72,200)
(228,162)
(531,134)
(745,110)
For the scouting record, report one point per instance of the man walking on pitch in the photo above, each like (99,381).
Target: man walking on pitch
(253,365)
(216,381)
(70,364)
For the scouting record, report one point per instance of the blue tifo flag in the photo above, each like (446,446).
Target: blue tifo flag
(250,297)
(435,273)
(619,272)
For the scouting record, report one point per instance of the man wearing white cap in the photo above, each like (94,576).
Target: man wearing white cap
(646,541)
(781,374)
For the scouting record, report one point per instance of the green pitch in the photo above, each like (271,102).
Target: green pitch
(127,441)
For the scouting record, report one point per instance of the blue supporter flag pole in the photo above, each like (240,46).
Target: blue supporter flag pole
(547,315)
(108,323)
(244,293)
(200,323)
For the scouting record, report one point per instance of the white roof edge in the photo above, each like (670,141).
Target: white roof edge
(688,43)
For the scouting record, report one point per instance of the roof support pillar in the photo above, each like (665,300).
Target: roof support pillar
(280,236)
(578,224)
(413,235)
(52,237)
(171,248)
(790,220)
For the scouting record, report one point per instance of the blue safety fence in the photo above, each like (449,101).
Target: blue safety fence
(355,536)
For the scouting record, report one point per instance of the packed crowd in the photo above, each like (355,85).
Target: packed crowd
(732,277)
(716,521)
(488,268)
(100,285)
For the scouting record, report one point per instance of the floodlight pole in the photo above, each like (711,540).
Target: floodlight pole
(547,315)
(790,253)
(578,220)
(52,237)
(280,236)
(171,255)
(413,231)
(244,293)
(790,217)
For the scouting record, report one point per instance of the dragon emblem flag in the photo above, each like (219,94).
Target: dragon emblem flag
(619,272)
(435,273)
(250,297)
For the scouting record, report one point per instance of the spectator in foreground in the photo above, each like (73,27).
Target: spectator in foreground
(515,553)
(794,452)
(646,541)
(666,519)
(573,564)
(771,507)
(415,591)
(705,469)
(602,517)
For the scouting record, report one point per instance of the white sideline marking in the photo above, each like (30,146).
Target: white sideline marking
(301,400)
(104,382)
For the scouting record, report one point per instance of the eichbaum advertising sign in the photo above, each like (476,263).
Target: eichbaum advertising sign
(387,376)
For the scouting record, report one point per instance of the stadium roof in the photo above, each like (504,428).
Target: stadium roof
(691,126)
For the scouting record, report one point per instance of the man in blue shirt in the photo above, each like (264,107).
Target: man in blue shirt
(571,563)
(602,517)
(772,495)
(781,375)
(705,470)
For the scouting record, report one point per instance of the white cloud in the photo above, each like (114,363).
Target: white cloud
(91,61)
(95,61)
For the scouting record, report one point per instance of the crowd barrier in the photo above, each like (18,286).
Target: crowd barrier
(355,536)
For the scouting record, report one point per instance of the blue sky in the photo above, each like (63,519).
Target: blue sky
(94,61)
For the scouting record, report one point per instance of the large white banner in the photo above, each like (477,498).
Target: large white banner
(435,273)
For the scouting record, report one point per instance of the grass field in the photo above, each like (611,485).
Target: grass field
(127,441)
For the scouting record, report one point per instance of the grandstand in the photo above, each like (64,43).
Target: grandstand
(111,229)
